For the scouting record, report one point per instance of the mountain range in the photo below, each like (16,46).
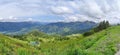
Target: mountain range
(62,28)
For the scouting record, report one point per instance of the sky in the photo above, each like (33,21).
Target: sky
(60,10)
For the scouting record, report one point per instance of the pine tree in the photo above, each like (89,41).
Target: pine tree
(102,25)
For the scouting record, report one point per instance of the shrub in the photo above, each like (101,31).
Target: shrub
(77,52)
(88,33)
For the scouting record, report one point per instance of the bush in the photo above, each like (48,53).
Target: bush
(77,52)
(88,33)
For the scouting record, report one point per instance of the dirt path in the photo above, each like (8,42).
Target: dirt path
(118,53)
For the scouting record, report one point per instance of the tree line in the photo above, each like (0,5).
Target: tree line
(102,25)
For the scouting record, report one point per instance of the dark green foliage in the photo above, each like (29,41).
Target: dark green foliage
(102,25)
(76,52)
(62,38)
(118,24)
(88,33)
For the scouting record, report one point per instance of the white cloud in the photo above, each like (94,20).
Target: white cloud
(96,10)
(11,18)
(21,9)
(61,10)
(71,10)
(78,17)
(14,19)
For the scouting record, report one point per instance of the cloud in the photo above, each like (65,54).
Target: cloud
(61,10)
(78,17)
(96,10)
(92,9)
(14,19)
(70,10)
(21,8)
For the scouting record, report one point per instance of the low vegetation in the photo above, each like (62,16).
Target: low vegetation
(104,41)
(12,46)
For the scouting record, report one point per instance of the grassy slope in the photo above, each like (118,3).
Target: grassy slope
(108,43)
(60,47)
(101,43)
(11,46)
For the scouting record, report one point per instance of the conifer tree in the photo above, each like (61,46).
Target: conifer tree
(102,25)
